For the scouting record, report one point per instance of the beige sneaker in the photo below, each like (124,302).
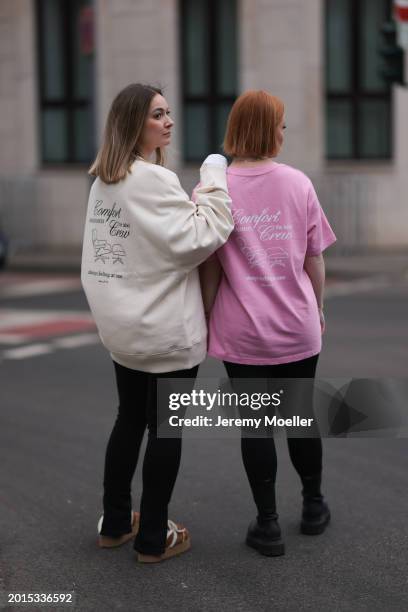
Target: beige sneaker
(178,541)
(109,542)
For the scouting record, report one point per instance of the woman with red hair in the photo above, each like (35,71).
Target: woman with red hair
(266,320)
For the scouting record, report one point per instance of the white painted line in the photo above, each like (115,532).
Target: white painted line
(16,317)
(40,288)
(33,350)
(76,341)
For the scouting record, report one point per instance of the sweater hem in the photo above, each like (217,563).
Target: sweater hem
(179,359)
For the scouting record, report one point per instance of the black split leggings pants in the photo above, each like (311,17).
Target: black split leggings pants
(138,412)
(259,454)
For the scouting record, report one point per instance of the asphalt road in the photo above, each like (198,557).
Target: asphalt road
(57,410)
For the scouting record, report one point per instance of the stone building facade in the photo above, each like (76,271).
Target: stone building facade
(280,46)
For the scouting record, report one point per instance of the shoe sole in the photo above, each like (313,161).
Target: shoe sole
(310,529)
(108,542)
(275,549)
(168,553)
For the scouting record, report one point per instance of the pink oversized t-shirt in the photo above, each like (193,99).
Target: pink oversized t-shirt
(265,311)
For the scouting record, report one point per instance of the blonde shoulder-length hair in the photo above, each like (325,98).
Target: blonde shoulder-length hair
(123,131)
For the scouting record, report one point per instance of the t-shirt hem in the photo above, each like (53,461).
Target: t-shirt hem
(264,360)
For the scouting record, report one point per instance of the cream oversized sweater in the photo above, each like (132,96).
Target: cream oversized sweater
(143,241)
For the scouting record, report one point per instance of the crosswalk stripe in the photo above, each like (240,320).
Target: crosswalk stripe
(33,350)
(76,341)
(19,326)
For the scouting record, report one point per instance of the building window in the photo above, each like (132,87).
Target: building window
(65,64)
(358,98)
(209,73)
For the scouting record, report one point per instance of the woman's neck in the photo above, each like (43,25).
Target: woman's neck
(146,153)
(250,161)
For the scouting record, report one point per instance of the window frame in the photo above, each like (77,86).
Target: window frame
(357,93)
(212,100)
(68,103)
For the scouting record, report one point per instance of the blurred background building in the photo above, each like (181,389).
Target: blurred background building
(333,62)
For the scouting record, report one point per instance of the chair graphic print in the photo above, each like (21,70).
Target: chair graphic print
(103,250)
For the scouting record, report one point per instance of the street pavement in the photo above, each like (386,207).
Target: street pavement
(57,407)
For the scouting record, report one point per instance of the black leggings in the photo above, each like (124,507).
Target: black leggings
(259,454)
(138,411)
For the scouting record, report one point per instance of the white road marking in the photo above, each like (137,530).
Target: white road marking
(33,350)
(76,341)
(40,287)
(18,325)
(13,317)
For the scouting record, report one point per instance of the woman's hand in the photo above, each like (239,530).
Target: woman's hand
(215,159)
(322,320)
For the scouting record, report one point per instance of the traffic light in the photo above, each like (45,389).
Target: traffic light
(392,55)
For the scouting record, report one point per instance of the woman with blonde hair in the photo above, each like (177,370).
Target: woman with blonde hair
(143,241)
(267,318)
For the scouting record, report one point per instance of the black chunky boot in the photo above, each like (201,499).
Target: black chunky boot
(315,511)
(265,536)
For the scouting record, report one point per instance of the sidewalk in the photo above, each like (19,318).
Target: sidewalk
(51,260)
(390,265)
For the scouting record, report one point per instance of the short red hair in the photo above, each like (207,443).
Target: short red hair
(252,125)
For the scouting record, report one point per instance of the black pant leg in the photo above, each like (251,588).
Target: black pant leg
(160,468)
(123,449)
(258,454)
(260,462)
(306,453)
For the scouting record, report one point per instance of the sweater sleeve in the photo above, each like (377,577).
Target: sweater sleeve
(191,231)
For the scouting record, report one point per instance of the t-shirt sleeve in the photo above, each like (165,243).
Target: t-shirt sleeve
(319,233)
